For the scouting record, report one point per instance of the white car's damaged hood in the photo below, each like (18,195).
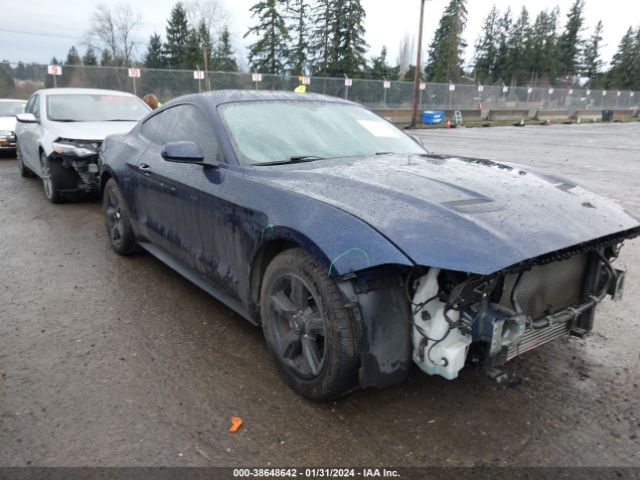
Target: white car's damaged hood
(87,130)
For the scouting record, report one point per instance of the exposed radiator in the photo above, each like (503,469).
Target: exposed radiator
(534,338)
(544,290)
(547,289)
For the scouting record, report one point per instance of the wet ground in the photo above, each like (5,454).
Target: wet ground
(107,360)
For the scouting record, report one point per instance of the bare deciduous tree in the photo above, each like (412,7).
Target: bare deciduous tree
(113,29)
(406,54)
(210,12)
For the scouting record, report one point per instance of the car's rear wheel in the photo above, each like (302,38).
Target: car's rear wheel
(24,170)
(309,331)
(117,220)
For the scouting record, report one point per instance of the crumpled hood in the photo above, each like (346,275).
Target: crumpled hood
(88,130)
(8,123)
(469,215)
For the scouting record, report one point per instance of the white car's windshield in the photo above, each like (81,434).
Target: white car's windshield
(94,108)
(9,109)
(279,131)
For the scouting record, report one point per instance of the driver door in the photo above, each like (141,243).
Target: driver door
(168,196)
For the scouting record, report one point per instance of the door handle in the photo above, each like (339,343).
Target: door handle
(145,168)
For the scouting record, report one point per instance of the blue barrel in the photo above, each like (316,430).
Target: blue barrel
(430,117)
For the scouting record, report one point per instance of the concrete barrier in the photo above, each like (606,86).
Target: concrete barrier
(507,115)
(587,115)
(402,116)
(399,116)
(623,115)
(467,115)
(557,115)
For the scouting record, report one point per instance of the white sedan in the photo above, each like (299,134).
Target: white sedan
(60,134)
(9,108)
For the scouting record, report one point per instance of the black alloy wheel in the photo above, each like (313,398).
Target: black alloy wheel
(311,334)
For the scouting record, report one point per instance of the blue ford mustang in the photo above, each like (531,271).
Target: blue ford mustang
(357,251)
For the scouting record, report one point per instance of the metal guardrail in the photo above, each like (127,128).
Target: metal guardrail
(167,84)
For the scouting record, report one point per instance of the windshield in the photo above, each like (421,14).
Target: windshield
(8,109)
(275,131)
(95,108)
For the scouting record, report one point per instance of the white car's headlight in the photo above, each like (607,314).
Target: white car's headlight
(65,148)
(6,133)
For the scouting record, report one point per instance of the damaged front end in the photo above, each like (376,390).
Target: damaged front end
(79,157)
(500,316)
(441,319)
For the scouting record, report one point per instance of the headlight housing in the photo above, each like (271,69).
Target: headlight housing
(78,148)
(6,133)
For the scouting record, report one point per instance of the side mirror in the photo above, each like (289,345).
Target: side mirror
(182,152)
(27,118)
(417,139)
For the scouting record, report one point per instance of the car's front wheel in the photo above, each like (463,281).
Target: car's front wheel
(309,331)
(117,220)
(51,180)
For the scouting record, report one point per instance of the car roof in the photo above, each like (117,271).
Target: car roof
(218,97)
(80,91)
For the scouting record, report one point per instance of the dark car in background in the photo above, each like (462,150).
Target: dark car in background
(60,133)
(9,108)
(357,251)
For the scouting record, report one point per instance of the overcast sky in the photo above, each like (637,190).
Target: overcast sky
(64,23)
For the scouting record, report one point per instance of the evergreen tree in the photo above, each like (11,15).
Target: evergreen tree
(380,69)
(410,74)
(205,43)
(298,52)
(347,46)
(106,60)
(519,62)
(224,58)
(624,63)
(542,48)
(21,72)
(73,58)
(322,17)
(445,52)
(177,36)
(89,57)
(502,62)
(154,55)
(570,43)
(591,61)
(193,54)
(486,53)
(636,56)
(268,53)
(7,83)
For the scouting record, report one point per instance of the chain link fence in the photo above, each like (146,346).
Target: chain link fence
(166,84)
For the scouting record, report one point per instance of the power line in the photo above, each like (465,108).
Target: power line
(40,34)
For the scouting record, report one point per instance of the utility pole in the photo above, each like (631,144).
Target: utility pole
(416,79)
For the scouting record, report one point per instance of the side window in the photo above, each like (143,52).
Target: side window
(182,123)
(152,128)
(35,108)
(30,103)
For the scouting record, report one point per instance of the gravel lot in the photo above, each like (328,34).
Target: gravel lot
(119,361)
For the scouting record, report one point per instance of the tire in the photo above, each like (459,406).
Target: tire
(25,171)
(52,176)
(117,220)
(309,331)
